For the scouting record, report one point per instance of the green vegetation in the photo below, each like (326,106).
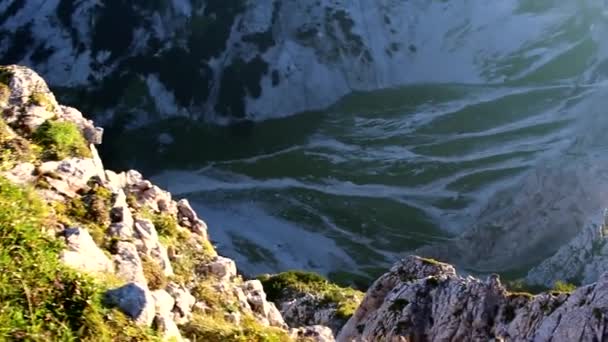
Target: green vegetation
(91,209)
(429,261)
(5,93)
(563,287)
(210,328)
(41,299)
(187,248)
(166,226)
(61,140)
(42,100)
(154,274)
(346,300)
(14,149)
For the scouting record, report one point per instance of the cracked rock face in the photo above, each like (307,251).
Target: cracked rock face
(420,299)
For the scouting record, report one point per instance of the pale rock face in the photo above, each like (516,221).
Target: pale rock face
(128,263)
(147,243)
(121,216)
(583,260)
(21,174)
(74,173)
(163,321)
(423,299)
(136,301)
(164,302)
(184,302)
(221,267)
(256,297)
(309,310)
(36,116)
(83,254)
(315,333)
(188,218)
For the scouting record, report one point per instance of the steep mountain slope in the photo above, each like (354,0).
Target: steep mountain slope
(259,59)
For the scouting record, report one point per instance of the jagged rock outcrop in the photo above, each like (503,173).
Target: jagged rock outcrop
(165,272)
(421,299)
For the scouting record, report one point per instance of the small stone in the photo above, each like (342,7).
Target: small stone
(134,300)
(223,268)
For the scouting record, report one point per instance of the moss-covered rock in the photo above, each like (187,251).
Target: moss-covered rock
(42,100)
(13,148)
(218,329)
(61,140)
(308,294)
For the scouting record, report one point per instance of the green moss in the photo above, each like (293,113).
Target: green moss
(41,299)
(154,274)
(215,328)
(430,261)
(91,210)
(187,251)
(346,300)
(563,287)
(166,225)
(5,93)
(42,100)
(61,140)
(13,149)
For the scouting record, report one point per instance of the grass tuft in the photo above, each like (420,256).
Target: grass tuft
(61,140)
(42,100)
(346,299)
(13,148)
(40,298)
(210,328)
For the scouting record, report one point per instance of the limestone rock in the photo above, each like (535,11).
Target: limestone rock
(128,263)
(163,301)
(94,135)
(121,216)
(256,297)
(184,302)
(188,218)
(82,253)
(21,174)
(315,333)
(163,321)
(71,174)
(221,267)
(308,309)
(134,300)
(167,328)
(147,243)
(422,299)
(583,259)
